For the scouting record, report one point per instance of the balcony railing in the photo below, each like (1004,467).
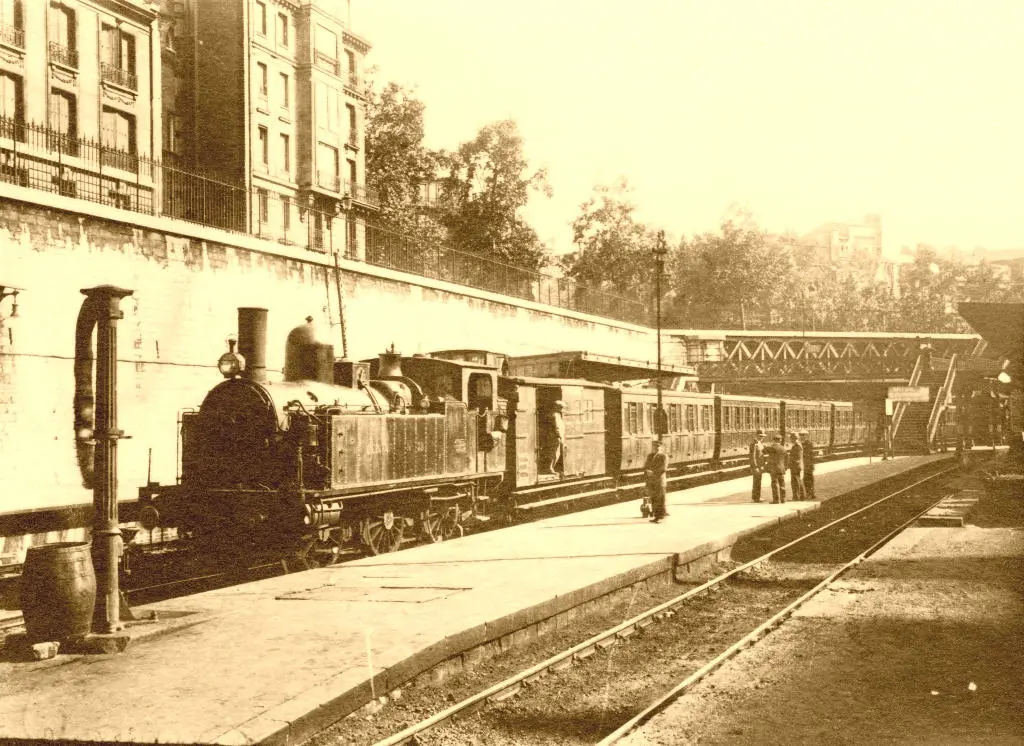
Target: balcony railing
(360,193)
(63,55)
(190,196)
(13,36)
(353,81)
(326,62)
(117,76)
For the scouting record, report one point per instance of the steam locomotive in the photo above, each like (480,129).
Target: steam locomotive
(370,454)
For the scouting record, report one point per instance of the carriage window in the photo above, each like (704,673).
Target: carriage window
(631,418)
(709,418)
(481,395)
(588,414)
(691,417)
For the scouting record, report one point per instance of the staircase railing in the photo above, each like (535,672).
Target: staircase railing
(901,406)
(940,400)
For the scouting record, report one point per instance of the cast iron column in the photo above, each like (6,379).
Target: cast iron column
(106,534)
(659,258)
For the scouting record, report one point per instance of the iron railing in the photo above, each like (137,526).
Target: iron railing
(326,62)
(118,76)
(41,158)
(63,55)
(12,35)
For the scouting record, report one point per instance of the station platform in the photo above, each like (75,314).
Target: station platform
(276,660)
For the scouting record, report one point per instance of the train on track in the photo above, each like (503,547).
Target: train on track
(368,454)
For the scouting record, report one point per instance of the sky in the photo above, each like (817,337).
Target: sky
(803,111)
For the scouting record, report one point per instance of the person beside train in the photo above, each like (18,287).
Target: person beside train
(775,461)
(655,468)
(808,453)
(555,460)
(795,457)
(757,465)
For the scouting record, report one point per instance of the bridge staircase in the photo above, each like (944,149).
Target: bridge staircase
(915,425)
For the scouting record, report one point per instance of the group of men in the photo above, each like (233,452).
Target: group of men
(775,458)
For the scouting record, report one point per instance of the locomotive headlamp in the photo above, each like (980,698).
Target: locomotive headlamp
(231,363)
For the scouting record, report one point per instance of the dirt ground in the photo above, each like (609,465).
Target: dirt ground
(921,644)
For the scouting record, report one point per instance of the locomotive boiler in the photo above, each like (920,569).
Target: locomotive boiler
(339,453)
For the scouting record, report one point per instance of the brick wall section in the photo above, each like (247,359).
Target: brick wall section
(187,290)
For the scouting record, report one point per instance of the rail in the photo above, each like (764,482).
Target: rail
(940,400)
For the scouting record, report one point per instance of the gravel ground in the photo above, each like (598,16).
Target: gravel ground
(616,683)
(920,645)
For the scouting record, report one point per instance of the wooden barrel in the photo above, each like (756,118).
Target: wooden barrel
(58,591)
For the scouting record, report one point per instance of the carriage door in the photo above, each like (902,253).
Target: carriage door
(524,436)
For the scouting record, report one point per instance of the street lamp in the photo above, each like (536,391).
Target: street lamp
(659,251)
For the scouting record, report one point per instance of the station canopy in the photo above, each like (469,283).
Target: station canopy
(1002,326)
(593,367)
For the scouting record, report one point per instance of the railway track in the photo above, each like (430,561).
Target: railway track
(736,607)
(168,580)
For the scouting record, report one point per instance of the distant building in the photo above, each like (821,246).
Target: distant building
(269,94)
(840,244)
(80,98)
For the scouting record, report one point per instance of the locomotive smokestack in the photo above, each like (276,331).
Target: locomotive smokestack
(252,342)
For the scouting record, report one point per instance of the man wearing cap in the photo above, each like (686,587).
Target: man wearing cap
(808,447)
(775,461)
(796,467)
(757,464)
(654,473)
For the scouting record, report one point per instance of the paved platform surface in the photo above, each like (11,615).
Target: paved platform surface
(919,644)
(276,659)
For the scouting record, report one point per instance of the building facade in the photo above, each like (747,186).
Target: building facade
(80,98)
(272,97)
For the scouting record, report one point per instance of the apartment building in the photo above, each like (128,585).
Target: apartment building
(278,106)
(80,98)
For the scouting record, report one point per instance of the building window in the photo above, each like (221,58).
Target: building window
(63,120)
(353,135)
(353,73)
(282,29)
(12,23)
(264,145)
(62,36)
(285,96)
(286,213)
(263,78)
(117,137)
(326,49)
(172,133)
(264,205)
(351,186)
(286,154)
(261,18)
(117,57)
(327,166)
(12,111)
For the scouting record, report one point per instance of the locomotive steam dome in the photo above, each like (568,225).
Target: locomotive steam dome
(306,356)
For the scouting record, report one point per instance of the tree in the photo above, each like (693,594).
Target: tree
(614,251)
(727,280)
(928,288)
(398,165)
(487,187)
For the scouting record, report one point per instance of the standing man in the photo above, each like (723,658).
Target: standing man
(654,471)
(553,451)
(808,446)
(796,467)
(757,464)
(775,458)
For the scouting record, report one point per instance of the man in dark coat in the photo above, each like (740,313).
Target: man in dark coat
(757,465)
(775,460)
(796,467)
(654,472)
(808,446)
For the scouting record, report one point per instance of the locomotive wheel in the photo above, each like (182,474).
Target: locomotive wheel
(384,534)
(431,525)
(314,552)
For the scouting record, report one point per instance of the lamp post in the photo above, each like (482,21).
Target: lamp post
(660,250)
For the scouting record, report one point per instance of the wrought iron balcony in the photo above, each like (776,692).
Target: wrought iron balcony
(63,55)
(117,76)
(13,36)
(326,62)
(361,193)
(353,81)
(328,181)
